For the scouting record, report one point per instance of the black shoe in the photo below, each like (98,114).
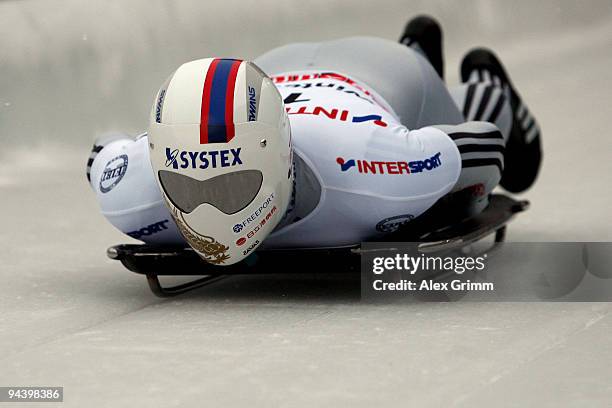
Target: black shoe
(425,33)
(523,153)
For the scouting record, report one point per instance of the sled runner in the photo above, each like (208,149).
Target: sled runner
(446,227)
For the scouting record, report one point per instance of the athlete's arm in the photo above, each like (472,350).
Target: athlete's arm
(121,175)
(481,146)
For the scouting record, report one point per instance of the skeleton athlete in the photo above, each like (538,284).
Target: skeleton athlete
(315,145)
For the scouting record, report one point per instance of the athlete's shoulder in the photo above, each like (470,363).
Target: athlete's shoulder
(327,113)
(315,86)
(331,104)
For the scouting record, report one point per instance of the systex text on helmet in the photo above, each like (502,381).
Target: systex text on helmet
(202,159)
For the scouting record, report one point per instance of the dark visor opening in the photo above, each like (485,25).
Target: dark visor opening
(229,193)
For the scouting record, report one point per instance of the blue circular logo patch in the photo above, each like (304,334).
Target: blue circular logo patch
(113,173)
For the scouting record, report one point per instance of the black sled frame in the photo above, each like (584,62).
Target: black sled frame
(441,229)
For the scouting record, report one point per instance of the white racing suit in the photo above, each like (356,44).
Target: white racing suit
(377,140)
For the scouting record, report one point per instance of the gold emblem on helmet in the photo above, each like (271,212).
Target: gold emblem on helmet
(212,251)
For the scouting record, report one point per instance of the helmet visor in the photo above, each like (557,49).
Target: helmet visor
(229,193)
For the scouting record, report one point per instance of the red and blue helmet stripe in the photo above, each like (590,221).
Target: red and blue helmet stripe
(217,112)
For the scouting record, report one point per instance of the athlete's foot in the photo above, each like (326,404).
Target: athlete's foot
(424,34)
(523,152)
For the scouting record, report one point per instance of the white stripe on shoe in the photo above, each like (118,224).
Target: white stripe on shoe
(532,134)
(475,102)
(496,94)
(527,121)
(473,77)
(521,111)
(486,76)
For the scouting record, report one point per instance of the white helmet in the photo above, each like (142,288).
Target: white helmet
(220,147)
